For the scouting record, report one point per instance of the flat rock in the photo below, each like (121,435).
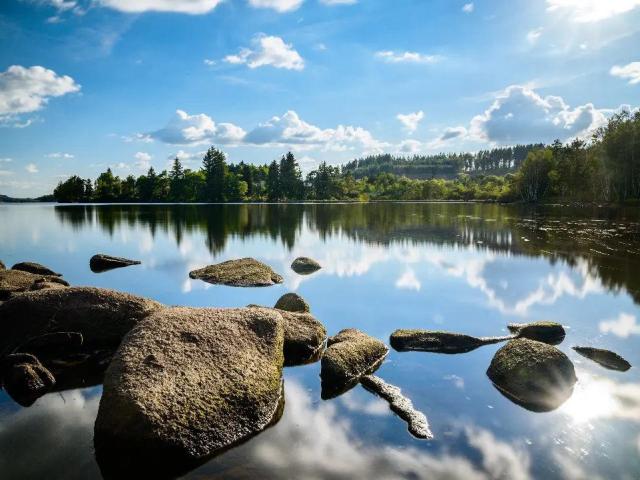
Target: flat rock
(535,375)
(304,336)
(101,263)
(101,316)
(548,332)
(605,358)
(245,272)
(350,355)
(25,379)
(17,281)
(187,383)
(305,266)
(35,268)
(437,341)
(401,405)
(292,302)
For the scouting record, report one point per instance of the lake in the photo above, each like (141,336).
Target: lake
(469,268)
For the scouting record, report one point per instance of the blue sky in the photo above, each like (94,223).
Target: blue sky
(87,84)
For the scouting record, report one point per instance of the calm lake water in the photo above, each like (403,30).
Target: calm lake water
(458,267)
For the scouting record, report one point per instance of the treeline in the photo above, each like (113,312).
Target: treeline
(607,168)
(500,160)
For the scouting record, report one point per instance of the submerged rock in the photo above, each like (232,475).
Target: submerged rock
(101,316)
(292,302)
(305,266)
(101,263)
(245,272)
(548,332)
(350,355)
(304,336)
(533,374)
(25,379)
(606,358)
(35,268)
(17,281)
(187,383)
(401,405)
(438,342)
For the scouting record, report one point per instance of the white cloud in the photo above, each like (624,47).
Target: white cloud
(468,7)
(390,56)
(143,160)
(28,89)
(193,7)
(277,5)
(630,72)
(624,326)
(411,120)
(31,168)
(449,134)
(520,115)
(185,129)
(588,11)
(410,146)
(534,35)
(60,155)
(209,63)
(408,281)
(268,50)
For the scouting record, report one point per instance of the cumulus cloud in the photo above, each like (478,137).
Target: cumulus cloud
(624,326)
(185,129)
(268,51)
(391,56)
(143,160)
(31,168)
(589,11)
(192,7)
(630,72)
(410,121)
(28,89)
(468,7)
(410,146)
(277,5)
(520,115)
(60,155)
(534,35)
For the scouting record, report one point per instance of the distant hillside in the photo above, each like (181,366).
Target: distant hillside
(44,198)
(497,160)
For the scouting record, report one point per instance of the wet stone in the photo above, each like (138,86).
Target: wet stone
(245,272)
(605,358)
(35,268)
(102,263)
(305,266)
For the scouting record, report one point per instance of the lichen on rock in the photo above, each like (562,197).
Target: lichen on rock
(245,272)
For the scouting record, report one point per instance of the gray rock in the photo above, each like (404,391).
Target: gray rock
(17,281)
(101,316)
(292,302)
(187,383)
(535,375)
(401,405)
(25,379)
(438,342)
(101,263)
(605,358)
(350,355)
(35,268)
(305,266)
(245,272)
(548,332)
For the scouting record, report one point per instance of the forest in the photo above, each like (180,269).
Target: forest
(604,168)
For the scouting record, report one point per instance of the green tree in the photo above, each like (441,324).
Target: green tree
(215,169)
(273,182)
(177,182)
(107,187)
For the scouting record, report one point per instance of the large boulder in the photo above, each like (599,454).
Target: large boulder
(17,281)
(101,316)
(548,332)
(535,375)
(185,384)
(304,336)
(292,302)
(350,355)
(25,379)
(245,272)
(437,341)
(101,263)
(305,266)
(35,268)
(606,358)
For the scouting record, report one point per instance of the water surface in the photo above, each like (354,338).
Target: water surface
(459,267)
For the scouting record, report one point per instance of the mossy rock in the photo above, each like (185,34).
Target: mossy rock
(605,358)
(436,341)
(533,374)
(350,355)
(187,383)
(292,302)
(35,268)
(25,379)
(245,272)
(17,281)
(305,266)
(548,332)
(101,263)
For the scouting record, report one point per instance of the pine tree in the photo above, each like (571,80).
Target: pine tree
(291,184)
(215,169)
(273,182)
(177,182)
